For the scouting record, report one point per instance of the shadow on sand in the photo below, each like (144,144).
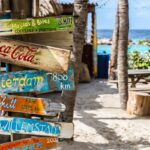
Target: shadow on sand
(115,142)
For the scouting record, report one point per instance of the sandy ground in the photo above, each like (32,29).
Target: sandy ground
(100,124)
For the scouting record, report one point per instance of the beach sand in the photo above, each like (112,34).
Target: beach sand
(100,124)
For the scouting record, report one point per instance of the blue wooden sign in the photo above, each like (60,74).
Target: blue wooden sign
(24,81)
(35,81)
(59,82)
(28,126)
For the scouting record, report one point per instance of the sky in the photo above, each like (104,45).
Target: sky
(139,13)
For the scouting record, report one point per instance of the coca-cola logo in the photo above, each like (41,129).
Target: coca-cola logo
(21,52)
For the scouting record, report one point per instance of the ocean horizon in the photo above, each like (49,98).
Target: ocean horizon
(134,34)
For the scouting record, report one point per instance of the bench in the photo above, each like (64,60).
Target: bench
(129,81)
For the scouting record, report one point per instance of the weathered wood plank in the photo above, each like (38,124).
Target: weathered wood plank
(25,81)
(20,9)
(34,143)
(28,126)
(28,26)
(5,5)
(29,105)
(35,56)
(58,82)
(35,81)
(55,39)
(46,8)
(67,130)
(35,127)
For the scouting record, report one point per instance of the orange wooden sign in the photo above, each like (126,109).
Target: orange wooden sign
(31,144)
(29,105)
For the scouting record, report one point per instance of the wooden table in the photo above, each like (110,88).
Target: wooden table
(137,74)
(147,79)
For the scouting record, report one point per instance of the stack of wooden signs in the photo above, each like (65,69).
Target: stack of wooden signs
(49,72)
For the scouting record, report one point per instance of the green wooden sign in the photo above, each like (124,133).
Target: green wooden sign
(28,26)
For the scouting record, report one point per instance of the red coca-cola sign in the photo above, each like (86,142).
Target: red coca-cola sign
(21,52)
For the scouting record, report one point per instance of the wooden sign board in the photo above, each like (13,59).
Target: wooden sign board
(59,82)
(35,81)
(29,105)
(28,126)
(35,127)
(25,81)
(34,143)
(39,57)
(39,25)
(54,39)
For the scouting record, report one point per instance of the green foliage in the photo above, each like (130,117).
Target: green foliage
(142,42)
(136,60)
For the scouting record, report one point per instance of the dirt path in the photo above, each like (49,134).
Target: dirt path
(100,124)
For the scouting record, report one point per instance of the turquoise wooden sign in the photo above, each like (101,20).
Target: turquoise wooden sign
(37,25)
(35,81)
(28,126)
(24,81)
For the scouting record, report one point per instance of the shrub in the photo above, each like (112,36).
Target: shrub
(136,60)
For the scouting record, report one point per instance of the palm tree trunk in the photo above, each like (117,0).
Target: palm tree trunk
(114,49)
(5,5)
(122,52)
(80,18)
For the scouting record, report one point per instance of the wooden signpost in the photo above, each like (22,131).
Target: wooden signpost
(28,126)
(35,81)
(52,74)
(34,143)
(39,57)
(29,105)
(39,25)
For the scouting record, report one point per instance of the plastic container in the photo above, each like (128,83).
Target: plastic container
(103,65)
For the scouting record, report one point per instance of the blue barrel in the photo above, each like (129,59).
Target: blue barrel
(6,15)
(103,65)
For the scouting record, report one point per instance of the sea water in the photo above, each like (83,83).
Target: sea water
(106,49)
(134,35)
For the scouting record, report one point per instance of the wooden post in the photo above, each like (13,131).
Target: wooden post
(94,42)
(80,15)
(1,9)
(114,50)
(35,8)
(11,137)
(5,5)
(21,9)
